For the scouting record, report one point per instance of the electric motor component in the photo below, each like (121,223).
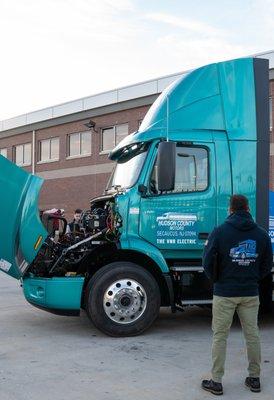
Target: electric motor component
(94,220)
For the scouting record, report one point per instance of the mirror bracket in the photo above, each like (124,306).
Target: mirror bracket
(142,189)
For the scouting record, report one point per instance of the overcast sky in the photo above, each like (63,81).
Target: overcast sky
(54,51)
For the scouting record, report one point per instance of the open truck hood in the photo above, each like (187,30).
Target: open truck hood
(21,230)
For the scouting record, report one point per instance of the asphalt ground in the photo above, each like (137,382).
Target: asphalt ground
(48,357)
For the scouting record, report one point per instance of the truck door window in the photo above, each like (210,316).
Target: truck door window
(191,173)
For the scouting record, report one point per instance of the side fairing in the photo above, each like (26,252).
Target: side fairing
(21,231)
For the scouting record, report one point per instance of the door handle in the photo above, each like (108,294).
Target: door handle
(203,235)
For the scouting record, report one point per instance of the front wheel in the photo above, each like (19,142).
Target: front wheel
(122,299)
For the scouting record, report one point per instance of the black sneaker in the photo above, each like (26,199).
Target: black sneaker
(213,387)
(253,384)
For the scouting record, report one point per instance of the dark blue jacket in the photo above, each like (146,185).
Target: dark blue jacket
(244,256)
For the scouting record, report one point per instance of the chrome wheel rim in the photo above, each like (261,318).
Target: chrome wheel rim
(125,301)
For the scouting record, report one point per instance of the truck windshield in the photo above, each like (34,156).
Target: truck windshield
(128,167)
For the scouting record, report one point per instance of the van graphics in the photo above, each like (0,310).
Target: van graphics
(176,228)
(244,253)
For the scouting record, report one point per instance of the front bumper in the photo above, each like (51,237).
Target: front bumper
(59,295)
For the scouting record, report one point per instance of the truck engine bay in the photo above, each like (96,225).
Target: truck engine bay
(68,253)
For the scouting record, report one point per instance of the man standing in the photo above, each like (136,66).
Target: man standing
(242,253)
(75,226)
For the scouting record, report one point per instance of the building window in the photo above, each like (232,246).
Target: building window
(49,149)
(4,152)
(79,144)
(23,154)
(108,139)
(112,136)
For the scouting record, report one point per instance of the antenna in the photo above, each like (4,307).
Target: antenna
(167,117)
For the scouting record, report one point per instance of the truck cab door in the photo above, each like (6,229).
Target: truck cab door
(181,219)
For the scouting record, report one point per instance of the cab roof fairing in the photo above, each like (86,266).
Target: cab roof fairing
(216,97)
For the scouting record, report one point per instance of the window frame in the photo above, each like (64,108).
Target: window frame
(40,161)
(4,148)
(14,154)
(80,155)
(202,146)
(102,151)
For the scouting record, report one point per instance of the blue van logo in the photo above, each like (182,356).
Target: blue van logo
(245,250)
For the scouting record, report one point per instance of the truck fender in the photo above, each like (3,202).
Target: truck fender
(148,249)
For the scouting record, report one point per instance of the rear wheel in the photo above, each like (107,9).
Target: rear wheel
(122,299)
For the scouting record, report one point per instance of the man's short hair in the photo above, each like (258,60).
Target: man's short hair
(78,211)
(238,202)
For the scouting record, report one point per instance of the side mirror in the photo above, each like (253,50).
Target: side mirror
(166,166)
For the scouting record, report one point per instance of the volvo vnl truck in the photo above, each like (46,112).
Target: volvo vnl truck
(205,138)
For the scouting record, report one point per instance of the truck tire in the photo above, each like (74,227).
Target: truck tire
(122,299)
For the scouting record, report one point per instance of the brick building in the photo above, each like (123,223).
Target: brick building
(61,144)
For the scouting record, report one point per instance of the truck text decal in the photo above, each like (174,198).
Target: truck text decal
(176,228)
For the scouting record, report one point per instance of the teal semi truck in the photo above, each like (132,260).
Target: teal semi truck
(205,138)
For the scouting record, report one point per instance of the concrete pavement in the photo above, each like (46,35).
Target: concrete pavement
(48,357)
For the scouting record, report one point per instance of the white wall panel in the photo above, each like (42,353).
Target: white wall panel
(14,122)
(140,90)
(67,108)
(40,115)
(100,100)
